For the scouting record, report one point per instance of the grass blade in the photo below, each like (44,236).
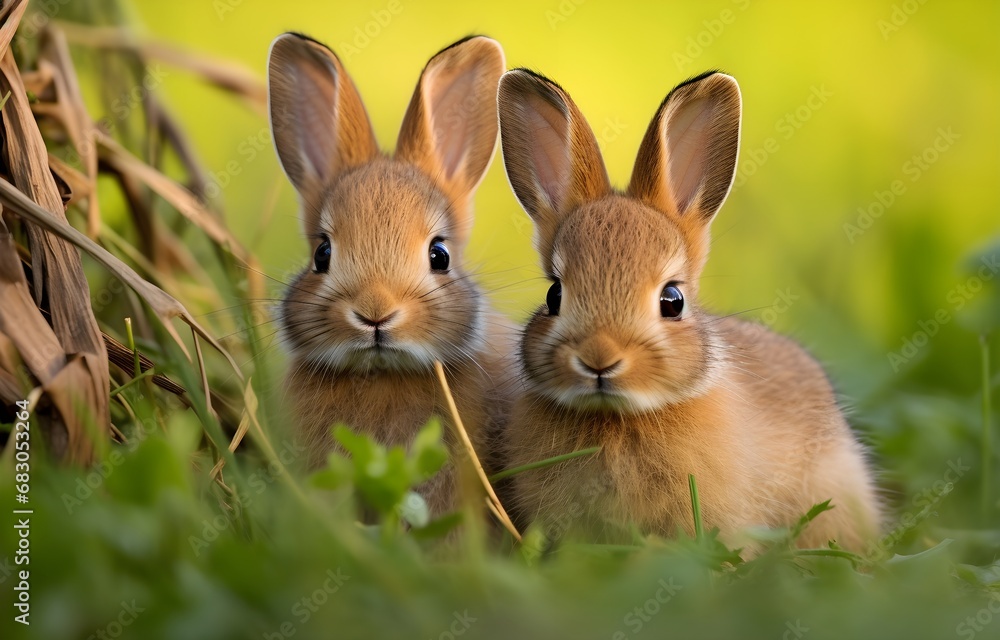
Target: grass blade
(987,444)
(699,532)
(547,462)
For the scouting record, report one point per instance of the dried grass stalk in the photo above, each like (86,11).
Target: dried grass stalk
(68,389)
(56,266)
(226,75)
(79,126)
(51,347)
(492,501)
(163,304)
(10,16)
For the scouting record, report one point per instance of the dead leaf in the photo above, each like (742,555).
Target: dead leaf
(23,327)
(77,186)
(10,17)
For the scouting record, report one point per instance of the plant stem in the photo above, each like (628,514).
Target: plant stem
(854,558)
(506,473)
(136,371)
(148,373)
(696,508)
(987,443)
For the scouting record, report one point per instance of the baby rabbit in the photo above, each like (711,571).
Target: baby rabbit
(385,293)
(622,357)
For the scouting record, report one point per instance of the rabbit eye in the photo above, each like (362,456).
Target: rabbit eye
(671,301)
(554,298)
(439,257)
(322,256)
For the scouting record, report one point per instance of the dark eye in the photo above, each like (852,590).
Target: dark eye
(554,298)
(322,256)
(439,256)
(671,301)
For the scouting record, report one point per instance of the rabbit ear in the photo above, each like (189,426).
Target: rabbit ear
(687,159)
(319,125)
(551,155)
(450,127)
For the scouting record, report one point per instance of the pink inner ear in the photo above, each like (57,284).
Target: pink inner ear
(549,149)
(688,136)
(315,115)
(453,107)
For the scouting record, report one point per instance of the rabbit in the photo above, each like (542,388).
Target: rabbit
(621,356)
(385,294)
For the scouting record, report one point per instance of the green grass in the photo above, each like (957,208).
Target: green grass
(506,473)
(699,531)
(150,529)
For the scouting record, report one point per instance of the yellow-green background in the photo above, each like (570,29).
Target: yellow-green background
(892,89)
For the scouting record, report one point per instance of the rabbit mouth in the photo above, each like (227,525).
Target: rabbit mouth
(381,356)
(604,398)
(598,399)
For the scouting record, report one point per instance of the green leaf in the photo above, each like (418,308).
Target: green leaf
(933,553)
(338,473)
(987,577)
(428,452)
(804,521)
(362,449)
(438,528)
(533,545)
(414,511)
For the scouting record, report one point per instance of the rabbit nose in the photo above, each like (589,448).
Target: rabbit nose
(370,322)
(375,307)
(599,356)
(598,369)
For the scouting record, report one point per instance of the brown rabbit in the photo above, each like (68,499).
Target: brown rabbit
(622,357)
(385,294)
